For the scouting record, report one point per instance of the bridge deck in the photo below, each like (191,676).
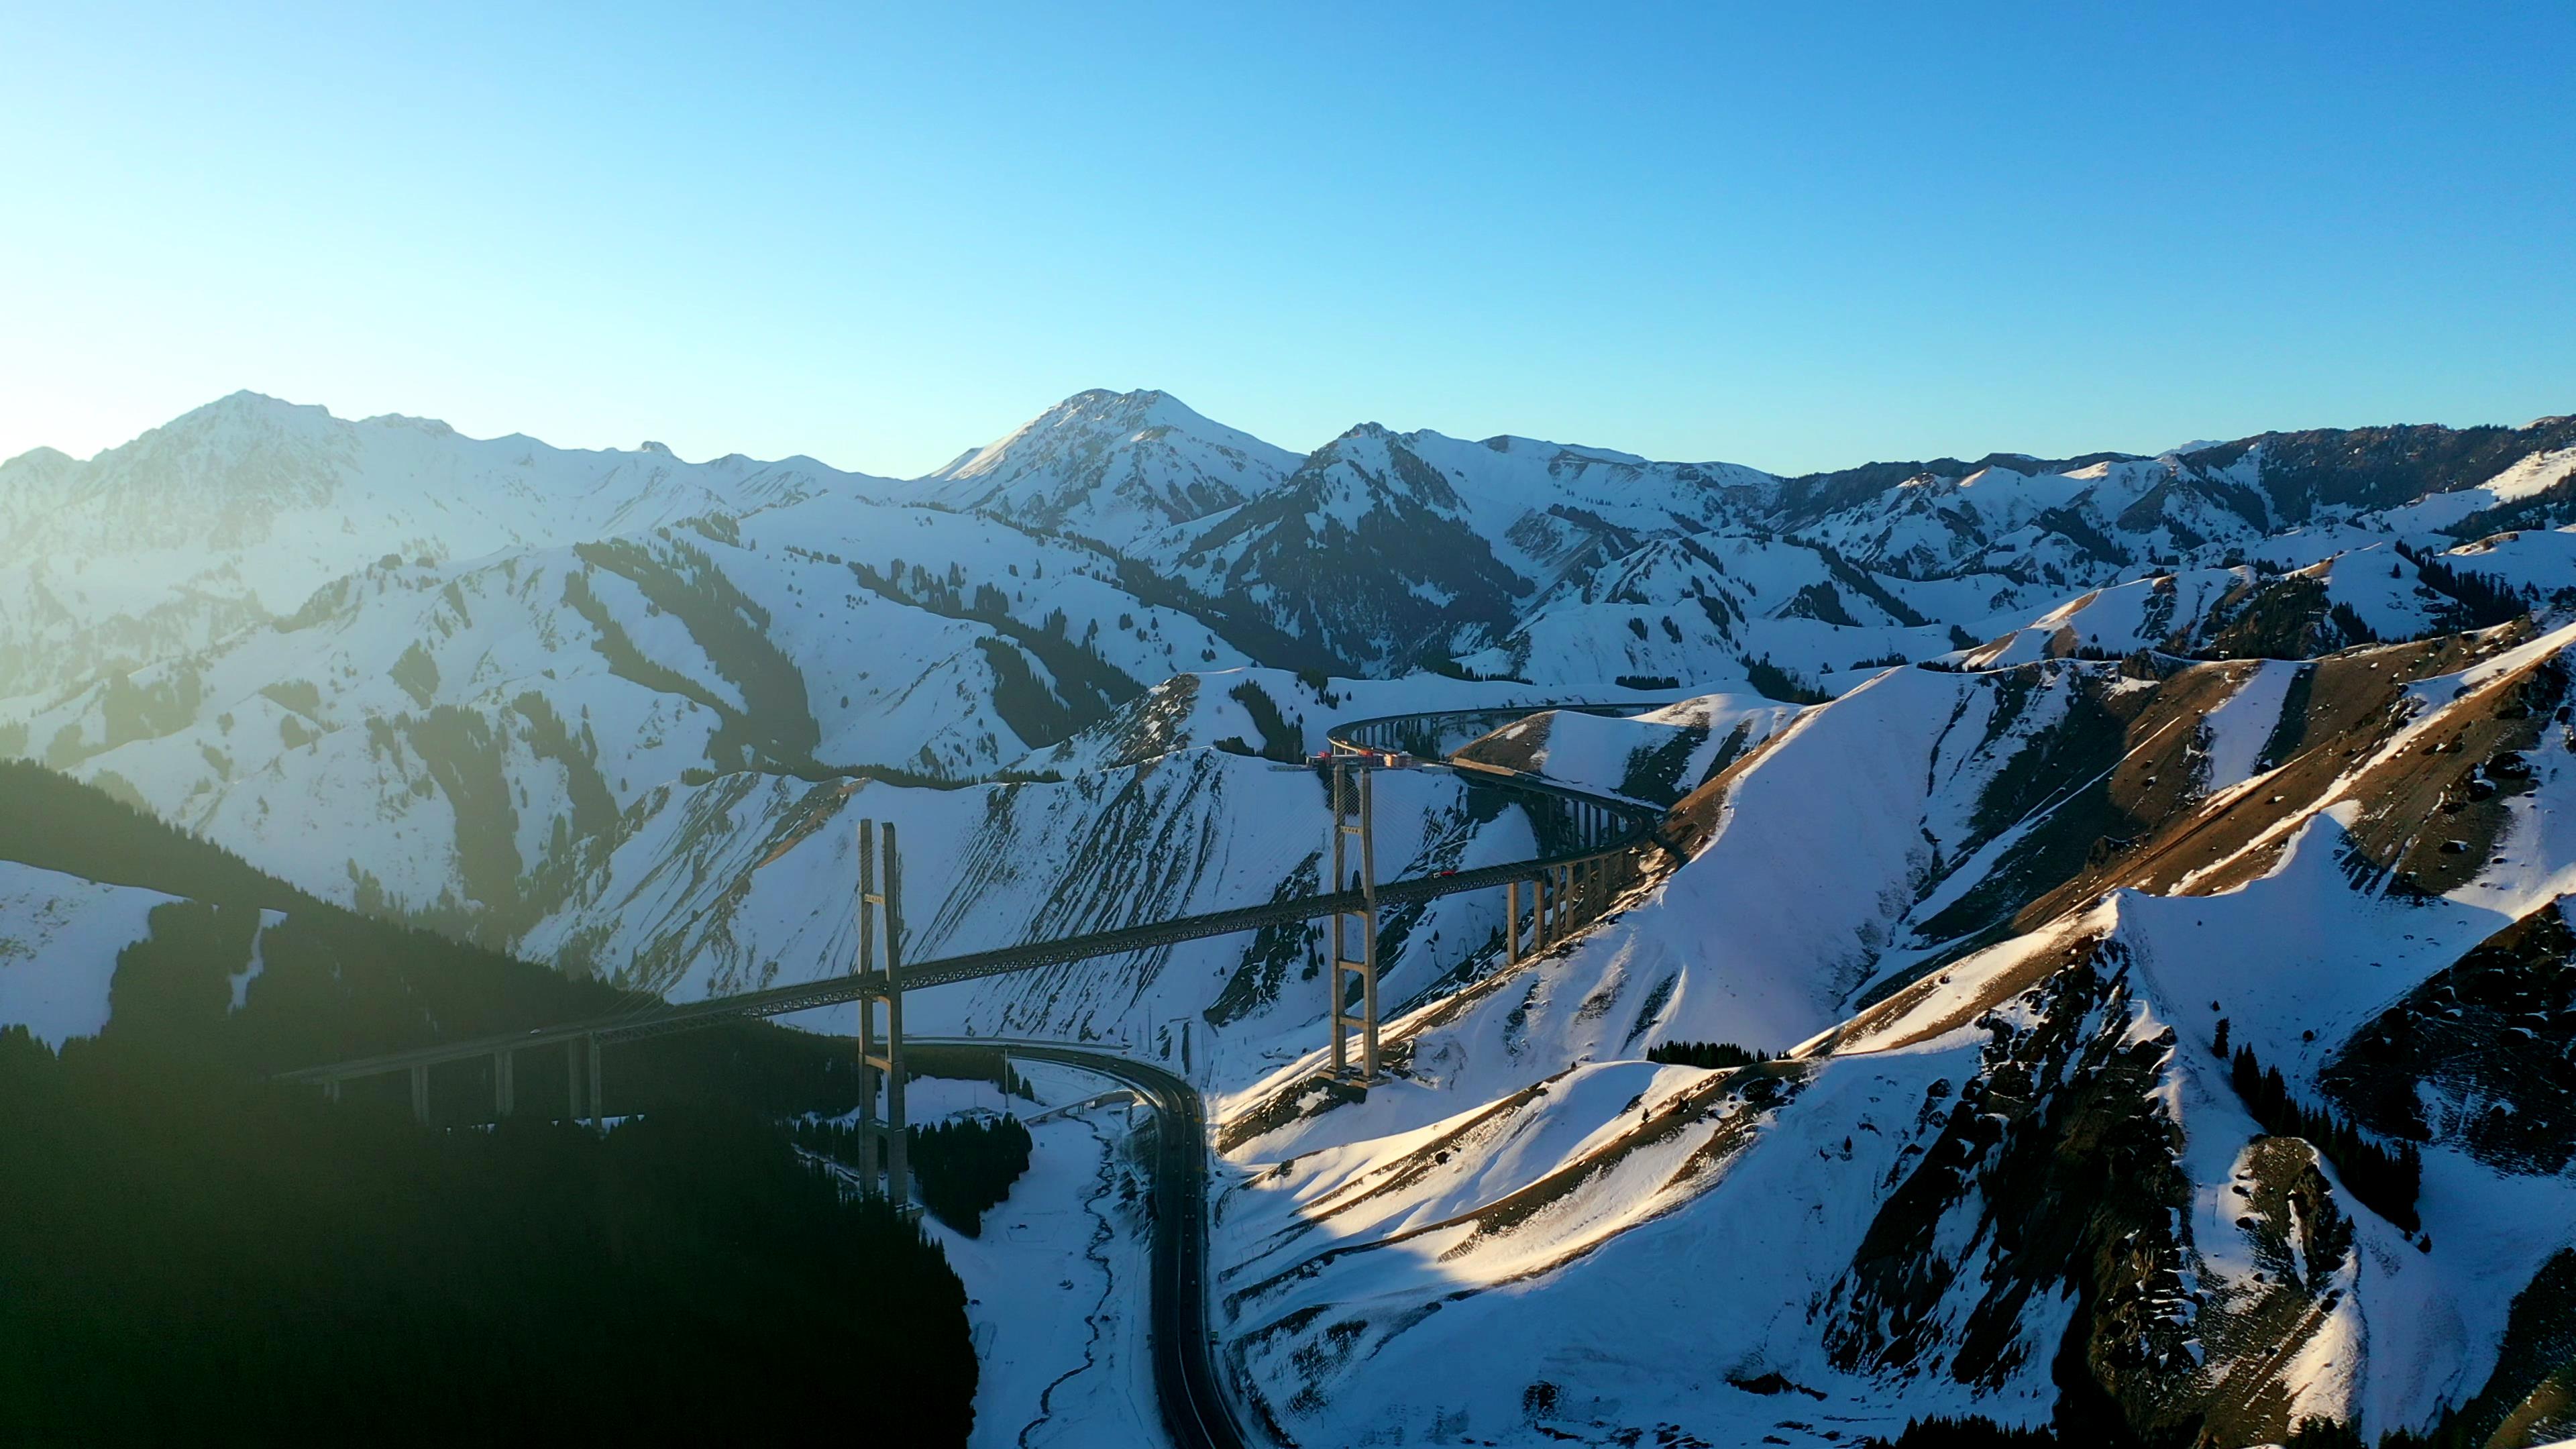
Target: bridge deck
(1640,821)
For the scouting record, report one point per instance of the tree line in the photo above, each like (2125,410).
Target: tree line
(2384,1179)
(2479,601)
(960,1169)
(1715,1055)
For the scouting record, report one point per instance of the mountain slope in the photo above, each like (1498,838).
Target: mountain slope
(237,512)
(2028,1185)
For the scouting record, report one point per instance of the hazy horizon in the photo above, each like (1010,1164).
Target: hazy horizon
(954,453)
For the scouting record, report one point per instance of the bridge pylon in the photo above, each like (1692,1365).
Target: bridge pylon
(1354,818)
(882,1144)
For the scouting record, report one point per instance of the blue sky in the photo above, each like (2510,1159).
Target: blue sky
(1791,236)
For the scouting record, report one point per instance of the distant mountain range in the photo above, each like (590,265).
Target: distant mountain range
(2006,791)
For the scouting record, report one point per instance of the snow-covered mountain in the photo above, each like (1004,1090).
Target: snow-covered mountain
(1996,787)
(1386,548)
(1110,466)
(236,513)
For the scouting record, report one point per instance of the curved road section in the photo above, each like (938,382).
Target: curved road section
(1194,1409)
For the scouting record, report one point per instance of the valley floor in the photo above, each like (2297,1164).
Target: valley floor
(1057,1286)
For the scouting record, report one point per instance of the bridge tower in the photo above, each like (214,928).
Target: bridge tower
(882,1145)
(1353,820)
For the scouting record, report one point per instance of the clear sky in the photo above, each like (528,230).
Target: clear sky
(1791,235)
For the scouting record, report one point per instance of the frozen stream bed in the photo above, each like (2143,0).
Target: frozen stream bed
(1059,1284)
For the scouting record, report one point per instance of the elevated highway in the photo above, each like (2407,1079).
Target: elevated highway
(1596,830)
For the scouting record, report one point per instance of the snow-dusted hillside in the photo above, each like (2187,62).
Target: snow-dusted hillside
(239,511)
(1700,608)
(1982,1163)
(1383,548)
(1655,757)
(59,937)
(1995,789)
(456,736)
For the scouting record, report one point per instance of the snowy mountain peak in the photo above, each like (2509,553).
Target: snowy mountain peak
(1110,465)
(40,459)
(1097,417)
(1090,413)
(1141,406)
(240,408)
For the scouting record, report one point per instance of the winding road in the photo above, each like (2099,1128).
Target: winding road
(1194,1407)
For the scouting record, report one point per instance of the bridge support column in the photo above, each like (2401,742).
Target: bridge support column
(598,1122)
(331,1090)
(572,1080)
(504,1089)
(1353,819)
(1512,922)
(420,1095)
(882,1146)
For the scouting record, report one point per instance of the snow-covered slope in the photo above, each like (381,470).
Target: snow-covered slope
(59,938)
(746,881)
(1656,757)
(456,738)
(239,511)
(1387,547)
(1704,608)
(1990,1162)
